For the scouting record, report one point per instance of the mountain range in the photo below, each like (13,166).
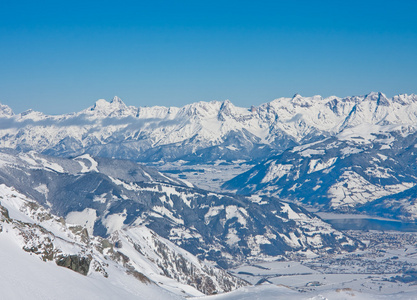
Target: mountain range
(79,189)
(334,153)
(201,132)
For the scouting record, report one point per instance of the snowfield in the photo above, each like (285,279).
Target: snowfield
(25,276)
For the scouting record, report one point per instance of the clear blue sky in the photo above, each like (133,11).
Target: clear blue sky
(61,56)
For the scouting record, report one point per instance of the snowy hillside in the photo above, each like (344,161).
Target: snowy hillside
(203,131)
(44,257)
(342,172)
(223,228)
(148,263)
(402,205)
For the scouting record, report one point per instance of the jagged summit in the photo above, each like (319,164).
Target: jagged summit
(5,111)
(188,132)
(115,108)
(379,97)
(102,103)
(116,99)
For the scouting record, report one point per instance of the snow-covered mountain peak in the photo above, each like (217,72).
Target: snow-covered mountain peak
(30,114)
(115,103)
(100,104)
(405,99)
(114,108)
(226,104)
(5,111)
(202,109)
(117,100)
(132,132)
(379,97)
(229,111)
(373,95)
(299,100)
(26,112)
(277,102)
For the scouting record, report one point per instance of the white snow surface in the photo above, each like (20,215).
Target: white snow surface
(209,123)
(85,218)
(318,165)
(84,167)
(142,250)
(114,222)
(25,276)
(276,171)
(274,292)
(353,189)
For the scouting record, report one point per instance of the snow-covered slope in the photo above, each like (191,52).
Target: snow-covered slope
(202,131)
(402,205)
(25,276)
(356,167)
(149,264)
(43,257)
(84,164)
(223,228)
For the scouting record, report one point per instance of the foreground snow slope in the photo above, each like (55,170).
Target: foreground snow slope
(132,260)
(24,276)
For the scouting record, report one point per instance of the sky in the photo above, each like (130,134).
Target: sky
(61,56)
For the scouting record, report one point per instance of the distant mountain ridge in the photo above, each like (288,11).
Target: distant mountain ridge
(201,131)
(370,170)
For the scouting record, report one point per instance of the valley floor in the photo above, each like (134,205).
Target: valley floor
(206,176)
(387,269)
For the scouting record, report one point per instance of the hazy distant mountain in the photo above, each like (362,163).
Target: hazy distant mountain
(203,131)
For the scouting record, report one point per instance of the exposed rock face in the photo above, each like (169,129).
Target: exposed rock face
(4,214)
(75,263)
(139,276)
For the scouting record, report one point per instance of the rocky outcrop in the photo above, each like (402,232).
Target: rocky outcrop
(74,262)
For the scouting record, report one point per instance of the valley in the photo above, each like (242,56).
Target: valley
(209,177)
(385,267)
(306,197)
